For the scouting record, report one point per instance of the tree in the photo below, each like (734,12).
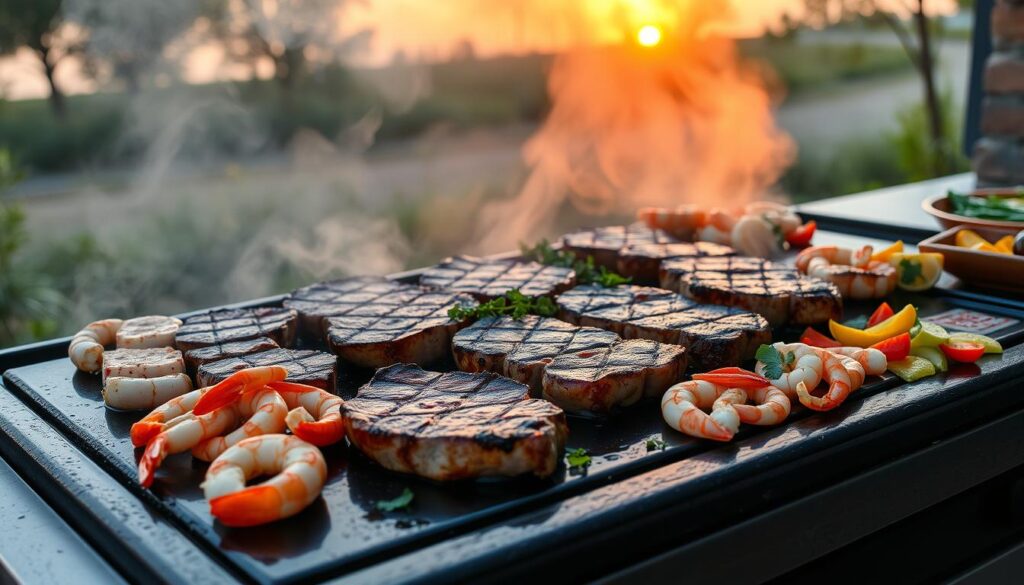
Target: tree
(910,20)
(34,24)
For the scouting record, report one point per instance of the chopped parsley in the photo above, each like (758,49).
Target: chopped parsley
(402,501)
(578,459)
(586,271)
(655,444)
(513,303)
(910,272)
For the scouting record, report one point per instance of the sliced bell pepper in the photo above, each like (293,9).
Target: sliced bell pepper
(963,351)
(801,236)
(901,322)
(811,337)
(884,255)
(734,377)
(1004,244)
(883,312)
(895,348)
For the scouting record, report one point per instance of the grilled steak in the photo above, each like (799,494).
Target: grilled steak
(319,301)
(305,366)
(777,292)
(715,336)
(643,261)
(602,379)
(228,325)
(142,363)
(147,332)
(487,279)
(222,351)
(454,425)
(519,349)
(604,243)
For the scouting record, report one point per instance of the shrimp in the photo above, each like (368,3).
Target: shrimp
(680,222)
(872,360)
(86,348)
(840,382)
(851,271)
(718,228)
(315,415)
(138,393)
(683,404)
(300,476)
(753,235)
(163,416)
(772,407)
(806,366)
(229,389)
(181,434)
(265,411)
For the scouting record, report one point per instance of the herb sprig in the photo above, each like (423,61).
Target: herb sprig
(513,303)
(579,460)
(586,272)
(774,361)
(399,503)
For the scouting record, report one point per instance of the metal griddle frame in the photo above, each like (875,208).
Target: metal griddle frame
(741,512)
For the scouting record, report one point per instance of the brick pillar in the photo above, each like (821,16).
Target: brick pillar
(999,155)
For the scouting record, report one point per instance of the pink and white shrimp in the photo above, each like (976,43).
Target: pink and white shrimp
(805,366)
(314,415)
(684,404)
(852,271)
(86,348)
(771,407)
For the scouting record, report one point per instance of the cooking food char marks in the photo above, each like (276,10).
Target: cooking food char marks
(715,335)
(599,380)
(455,425)
(775,291)
(605,243)
(143,378)
(230,325)
(487,279)
(142,363)
(853,272)
(373,322)
(222,351)
(521,348)
(146,332)
(642,261)
(304,366)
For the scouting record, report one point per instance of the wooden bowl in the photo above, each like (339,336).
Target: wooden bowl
(985,269)
(939,207)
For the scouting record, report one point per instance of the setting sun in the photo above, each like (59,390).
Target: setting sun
(649,35)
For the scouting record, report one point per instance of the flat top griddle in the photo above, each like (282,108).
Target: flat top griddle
(343,532)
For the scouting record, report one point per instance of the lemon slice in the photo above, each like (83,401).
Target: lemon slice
(930,335)
(884,255)
(1005,244)
(912,368)
(916,272)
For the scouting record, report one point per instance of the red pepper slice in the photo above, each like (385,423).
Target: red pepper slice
(963,351)
(813,338)
(883,312)
(801,236)
(734,377)
(894,348)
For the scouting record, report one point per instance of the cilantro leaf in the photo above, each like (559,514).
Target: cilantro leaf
(513,303)
(578,459)
(586,271)
(655,444)
(910,271)
(773,361)
(402,501)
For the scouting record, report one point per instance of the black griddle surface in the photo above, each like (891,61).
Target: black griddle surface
(343,531)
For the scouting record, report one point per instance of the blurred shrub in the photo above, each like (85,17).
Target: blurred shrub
(858,165)
(912,140)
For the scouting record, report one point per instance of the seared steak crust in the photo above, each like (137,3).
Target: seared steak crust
(228,325)
(604,243)
(777,292)
(519,349)
(222,351)
(487,279)
(321,300)
(305,366)
(715,336)
(408,326)
(642,261)
(454,425)
(601,379)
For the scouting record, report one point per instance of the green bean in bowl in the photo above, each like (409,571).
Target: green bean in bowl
(1005,208)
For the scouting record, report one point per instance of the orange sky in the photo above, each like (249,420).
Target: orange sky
(431,30)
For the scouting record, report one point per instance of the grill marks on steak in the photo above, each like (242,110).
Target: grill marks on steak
(602,379)
(642,261)
(777,292)
(715,335)
(520,349)
(454,425)
(305,366)
(372,322)
(487,279)
(604,243)
(229,325)
(222,351)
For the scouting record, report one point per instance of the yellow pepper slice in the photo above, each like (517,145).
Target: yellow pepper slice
(899,323)
(895,248)
(969,239)
(1005,244)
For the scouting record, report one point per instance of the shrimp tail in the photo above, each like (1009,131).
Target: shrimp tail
(283,386)
(154,455)
(143,431)
(320,433)
(248,507)
(218,396)
(815,403)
